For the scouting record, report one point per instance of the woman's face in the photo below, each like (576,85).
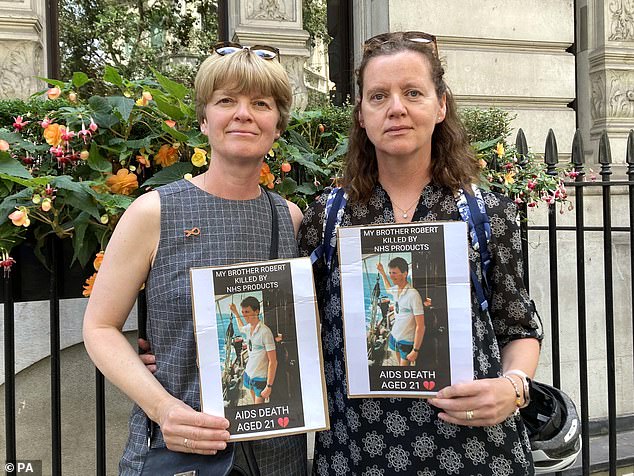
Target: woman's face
(400,109)
(240,125)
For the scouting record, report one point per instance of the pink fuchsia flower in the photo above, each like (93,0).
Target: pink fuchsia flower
(518,201)
(549,199)
(67,135)
(45,122)
(84,133)
(19,123)
(531,184)
(92,126)
(20,217)
(54,93)
(4,145)
(6,262)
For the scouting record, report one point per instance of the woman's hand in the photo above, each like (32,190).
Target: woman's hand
(483,402)
(188,431)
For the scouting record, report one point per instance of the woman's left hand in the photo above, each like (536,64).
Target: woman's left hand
(483,402)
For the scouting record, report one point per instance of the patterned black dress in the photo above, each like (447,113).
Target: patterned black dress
(374,437)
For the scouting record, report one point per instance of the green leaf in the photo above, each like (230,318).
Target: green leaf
(114,201)
(54,82)
(287,186)
(123,105)
(80,224)
(175,89)
(169,174)
(79,79)
(177,135)
(299,141)
(307,188)
(174,112)
(111,75)
(10,166)
(78,195)
(29,183)
(96,161)
(102,112)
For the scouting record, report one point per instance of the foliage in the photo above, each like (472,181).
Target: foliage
(523,178)
(73,169)
(133,36)
(486,124)
(314,16)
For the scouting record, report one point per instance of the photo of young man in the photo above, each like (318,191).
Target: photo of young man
(259,375)
(408,329)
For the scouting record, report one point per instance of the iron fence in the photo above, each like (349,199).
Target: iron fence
(580,185)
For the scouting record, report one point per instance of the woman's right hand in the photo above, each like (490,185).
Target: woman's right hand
(188,431)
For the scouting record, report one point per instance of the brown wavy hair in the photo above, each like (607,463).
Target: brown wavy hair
(453,162)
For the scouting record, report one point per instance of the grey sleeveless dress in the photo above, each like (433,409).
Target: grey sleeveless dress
(231,231)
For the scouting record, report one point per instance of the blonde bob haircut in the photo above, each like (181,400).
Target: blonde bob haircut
(243,72)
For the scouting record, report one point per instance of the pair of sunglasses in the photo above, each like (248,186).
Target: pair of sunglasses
(418,37)
(263,51)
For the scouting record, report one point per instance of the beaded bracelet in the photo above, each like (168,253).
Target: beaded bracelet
(518,399)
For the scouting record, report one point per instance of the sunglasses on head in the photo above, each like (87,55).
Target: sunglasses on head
(418,37)
(263,51)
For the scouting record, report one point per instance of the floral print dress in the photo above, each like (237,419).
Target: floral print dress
(381,437)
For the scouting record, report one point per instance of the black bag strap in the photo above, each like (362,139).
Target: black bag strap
(275,227)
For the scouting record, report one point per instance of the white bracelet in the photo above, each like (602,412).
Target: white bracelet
(522,375)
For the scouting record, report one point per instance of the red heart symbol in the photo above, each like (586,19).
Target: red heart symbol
(429,385)
(283,422)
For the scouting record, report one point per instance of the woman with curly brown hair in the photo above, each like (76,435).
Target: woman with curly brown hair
(408,158)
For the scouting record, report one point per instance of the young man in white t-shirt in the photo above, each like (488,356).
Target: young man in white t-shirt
(259,373)
(408,329)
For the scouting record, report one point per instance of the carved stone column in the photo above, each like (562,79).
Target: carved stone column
(276,23)
(22,46)
(610,71)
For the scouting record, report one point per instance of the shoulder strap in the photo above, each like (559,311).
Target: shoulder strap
(335,204)
(473,211)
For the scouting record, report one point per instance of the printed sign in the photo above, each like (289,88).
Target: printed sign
(259,352)
(406,307)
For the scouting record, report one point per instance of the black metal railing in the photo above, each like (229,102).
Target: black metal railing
(551,159)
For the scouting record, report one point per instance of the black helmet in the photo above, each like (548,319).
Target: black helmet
(554,428)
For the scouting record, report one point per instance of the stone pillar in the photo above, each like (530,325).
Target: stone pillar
(606,72)
(22,47)
(276,23)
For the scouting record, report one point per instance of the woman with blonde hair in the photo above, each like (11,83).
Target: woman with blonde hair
(220,217)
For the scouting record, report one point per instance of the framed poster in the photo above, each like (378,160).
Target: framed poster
(259,349)
(406,299)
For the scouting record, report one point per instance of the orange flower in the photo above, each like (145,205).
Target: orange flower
(90,282)
(145,98)
(499,149)
(166,156)
(143,160)
(286,167)
(98,259)
(123,182)
(170,123)
(266,177)
(53,134)
(20,217)
(54,93)
(4,145)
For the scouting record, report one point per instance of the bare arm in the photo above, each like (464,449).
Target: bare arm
(296,215)
(270,375)
(125,267)
(234,310)
(386,280)
(418,337)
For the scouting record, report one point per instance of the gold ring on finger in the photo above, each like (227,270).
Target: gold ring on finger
(469,414)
